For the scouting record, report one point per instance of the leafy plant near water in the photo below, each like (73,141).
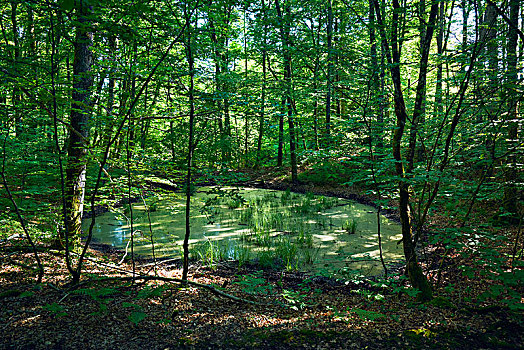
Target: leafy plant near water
(100,295)
(137,314)
(254,284)
(208,252)
(302,297)
(350,226)
(305,238)
(241,254)
(287,252)
(309,255)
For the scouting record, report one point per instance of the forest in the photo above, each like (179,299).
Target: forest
(239,174)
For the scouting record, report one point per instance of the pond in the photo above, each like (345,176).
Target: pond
(279,229)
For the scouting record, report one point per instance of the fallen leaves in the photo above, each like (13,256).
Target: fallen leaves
(157,314)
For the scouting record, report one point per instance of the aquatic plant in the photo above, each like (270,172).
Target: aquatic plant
(266,259)
(262,238)
(287,252)
(241,254)
(208,252)
(350,226)
(305,238)
(309,255)
(285,196)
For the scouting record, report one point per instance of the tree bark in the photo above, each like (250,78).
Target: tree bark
(416,276)
(79,116)
(286,43)
(329,80)
(280,151)
(510,188)
(263,88)
(16,97)
(191,63)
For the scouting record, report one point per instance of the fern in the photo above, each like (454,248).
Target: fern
(149,292)
(368,315)
(137,316)
(96,293)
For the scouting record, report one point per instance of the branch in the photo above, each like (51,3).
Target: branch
(506,19)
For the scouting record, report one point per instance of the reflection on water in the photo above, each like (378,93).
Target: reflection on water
(318,229)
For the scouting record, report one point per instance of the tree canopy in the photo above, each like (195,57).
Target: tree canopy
(414,105)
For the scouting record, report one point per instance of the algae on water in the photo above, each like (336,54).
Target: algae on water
(277,228)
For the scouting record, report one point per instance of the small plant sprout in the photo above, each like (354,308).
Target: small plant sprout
(350,226)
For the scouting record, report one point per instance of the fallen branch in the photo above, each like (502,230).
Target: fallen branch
(146,278)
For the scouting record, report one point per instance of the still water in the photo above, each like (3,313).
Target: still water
(302,231)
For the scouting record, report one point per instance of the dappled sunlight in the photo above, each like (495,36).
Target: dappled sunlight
(316,229)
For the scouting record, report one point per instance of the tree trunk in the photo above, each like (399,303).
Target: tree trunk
(191,64)
(377,131)
(465,16)
(78,136)
(280,151)
(286,43)
(414,271)
(510,188)
(439,108)
(329,79)
(16,97)
(263,92)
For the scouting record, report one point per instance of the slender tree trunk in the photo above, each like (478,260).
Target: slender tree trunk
(263,92)
(286,43)
(510,188)
(315,105)
(465,17)
(414,271)
(218,89)
(376,132)
(109,120)
(191,63)
(315,37)
(280,151)
(220,52)
(420,98)
(329,79)
(336,93)
(16,97)
(439,108)
(490,86)
(78,136)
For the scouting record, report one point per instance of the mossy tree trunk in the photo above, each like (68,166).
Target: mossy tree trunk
(79,118)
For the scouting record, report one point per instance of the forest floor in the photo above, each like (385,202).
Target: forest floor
(277,310)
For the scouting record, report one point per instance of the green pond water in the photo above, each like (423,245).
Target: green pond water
(276,228)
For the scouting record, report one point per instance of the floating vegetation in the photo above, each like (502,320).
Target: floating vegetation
(276,229)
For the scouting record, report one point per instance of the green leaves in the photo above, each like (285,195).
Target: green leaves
(255,284)
(66,5)
(368,315)
(96,293)
(56,309)
(137,315)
